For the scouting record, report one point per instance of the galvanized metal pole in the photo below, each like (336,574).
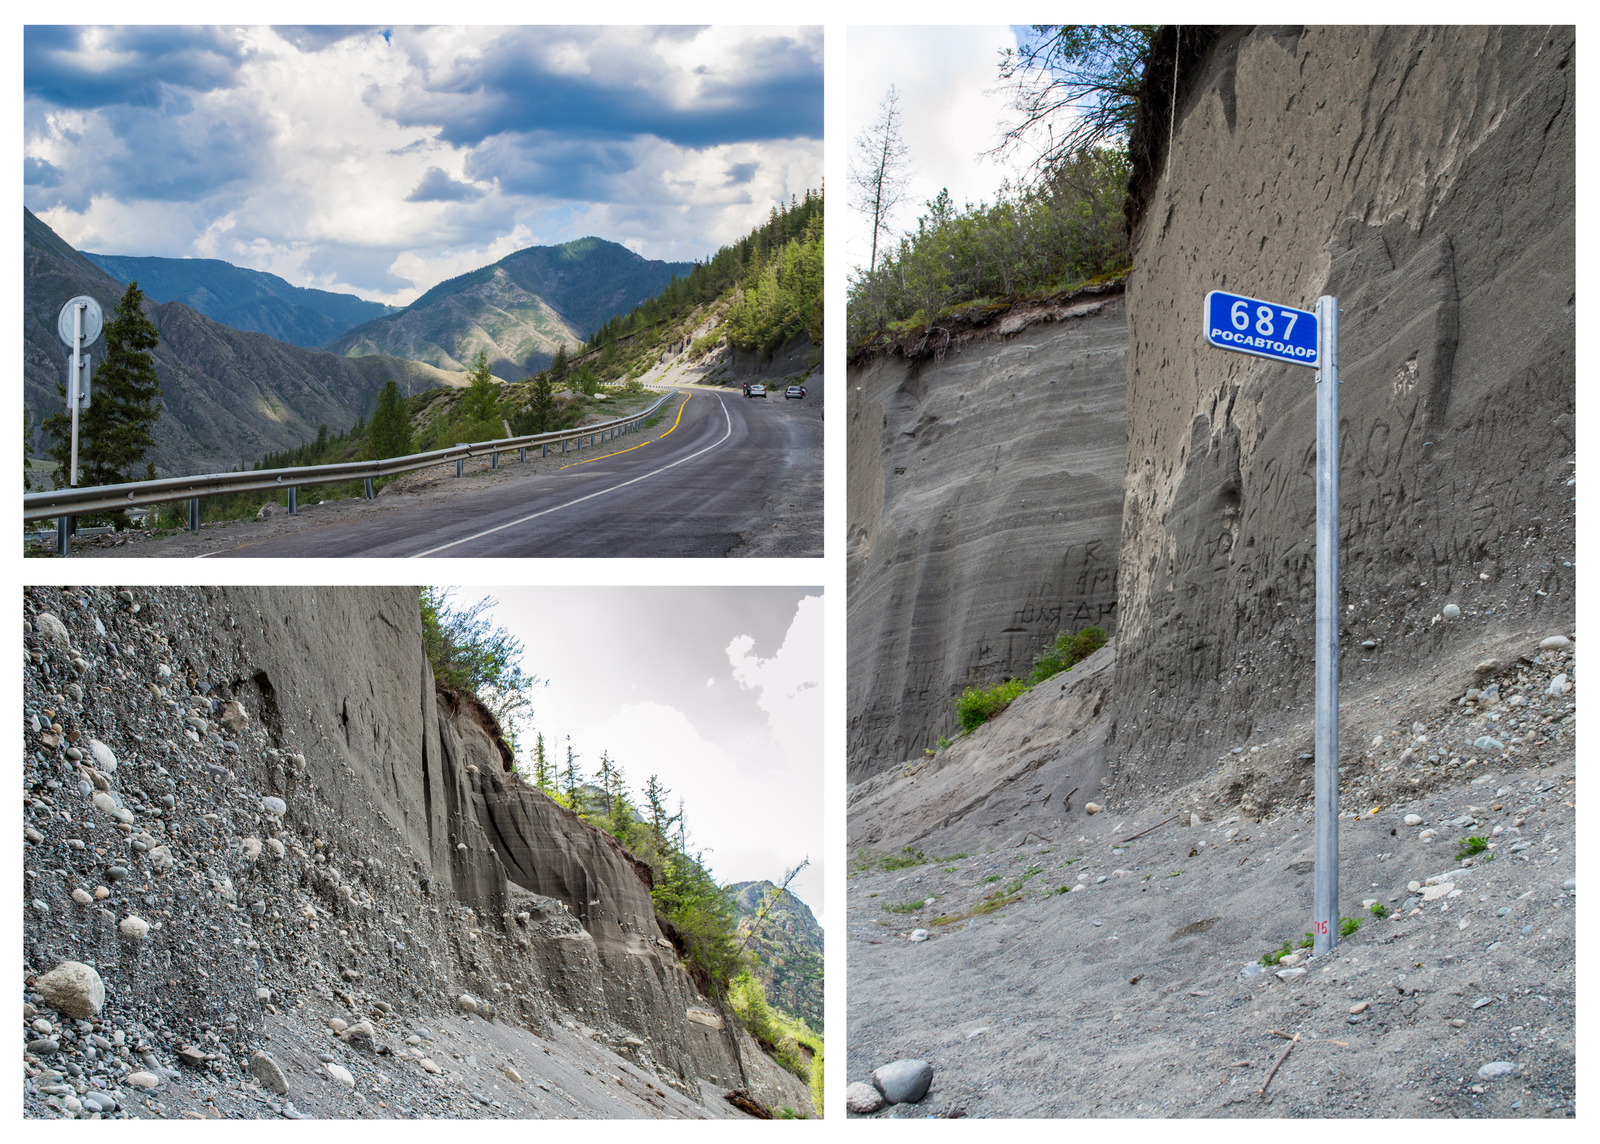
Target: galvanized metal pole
(72,385)
(1325,916)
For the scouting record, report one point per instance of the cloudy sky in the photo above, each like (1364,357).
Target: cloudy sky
(945,76)
(380,161)
(716,690)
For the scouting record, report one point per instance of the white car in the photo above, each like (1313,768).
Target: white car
(757,390)
(794,391)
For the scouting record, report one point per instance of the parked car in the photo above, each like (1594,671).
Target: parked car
(756,390)
(794,391)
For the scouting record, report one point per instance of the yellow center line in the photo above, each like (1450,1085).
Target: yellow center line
(631,448)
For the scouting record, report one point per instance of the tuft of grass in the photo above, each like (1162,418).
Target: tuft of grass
(906,857)
(977,705)
(1476,844)
(1067,651)
(1379,910)
(992,878)
(1348,926)
(1277,955)
(906,907)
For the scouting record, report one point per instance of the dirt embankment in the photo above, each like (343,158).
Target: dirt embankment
(250,812)
(1052,962)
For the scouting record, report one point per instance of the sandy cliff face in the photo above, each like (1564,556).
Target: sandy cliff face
(412,867)
(1426,178)
(984,502)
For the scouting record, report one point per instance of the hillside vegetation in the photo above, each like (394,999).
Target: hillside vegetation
(755,295)
(1058,234)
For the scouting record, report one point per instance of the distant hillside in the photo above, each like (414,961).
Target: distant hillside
(228,396)
(517,310)
(789,946)
(248,300)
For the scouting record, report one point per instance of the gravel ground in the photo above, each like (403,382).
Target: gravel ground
(1086,972)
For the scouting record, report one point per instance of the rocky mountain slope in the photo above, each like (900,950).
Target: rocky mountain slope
(788,945)
(983,505)
(1051,961)
(517,310)
(255,819)
(245,299)
(228,397)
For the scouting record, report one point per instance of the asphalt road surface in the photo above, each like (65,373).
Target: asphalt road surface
(718,475)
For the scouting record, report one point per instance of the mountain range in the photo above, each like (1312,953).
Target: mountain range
(228,396)
(517,310)
(788,947)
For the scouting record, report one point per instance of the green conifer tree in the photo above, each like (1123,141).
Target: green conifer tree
(390,433)
(115,431)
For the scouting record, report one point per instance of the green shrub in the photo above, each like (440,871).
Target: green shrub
(1379,910)
(1470,846)
(1065,652)
(1348,926)
(977,705)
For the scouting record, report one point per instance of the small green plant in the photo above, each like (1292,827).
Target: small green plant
(977,705)
(1307,942)
(1067,651)
(906,857)
(943,742)
(1379,910)
(1348,926)
(992,878)
(952,857)
(1476,844)
(1277,955)
(1064,890)
(906,907)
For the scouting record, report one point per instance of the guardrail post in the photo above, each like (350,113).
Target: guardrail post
(194,511)
(459,463)
(563,446)
(367,481)
(61,536)
(544,449)
(294,499)
(494,460)
(522,455)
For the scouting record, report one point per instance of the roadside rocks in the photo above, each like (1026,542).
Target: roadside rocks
(862,1099)
(903,1081)
(74,988)
(266,1070)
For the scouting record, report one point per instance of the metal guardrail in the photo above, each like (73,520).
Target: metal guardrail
(102,498)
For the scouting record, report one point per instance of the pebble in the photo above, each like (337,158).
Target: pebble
(1091,808)
(251,848)
(82,896)
(1496,1069)
(1359,1007)
(135,927)
(1571,884)
(43,1027)
(513,1075)
(52,630)
(360,1031)
(1450,611)
(341,1074)
(32,835)
(74,988)
(429,1066)
(275,847)
(862,1098)
(1297,971)
(273,805)
(1488,743)
(44,1047)
(467,1003)
(1558,686)
(918,935)
(144,1079)
(338,1025)
(1549,643)
(1413,820)
(903,1081)
(103,757)
(1434,893)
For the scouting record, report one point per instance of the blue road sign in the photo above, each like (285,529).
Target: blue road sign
(1265,329)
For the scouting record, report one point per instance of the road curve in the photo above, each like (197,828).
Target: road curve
(694,486)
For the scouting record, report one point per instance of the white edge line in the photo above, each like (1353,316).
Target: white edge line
(590,496)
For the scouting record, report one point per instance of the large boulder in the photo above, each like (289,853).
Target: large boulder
(74,988)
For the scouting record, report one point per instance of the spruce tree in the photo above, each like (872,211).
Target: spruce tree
(114,432)
(544,774)
(390,433)
(559,365)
